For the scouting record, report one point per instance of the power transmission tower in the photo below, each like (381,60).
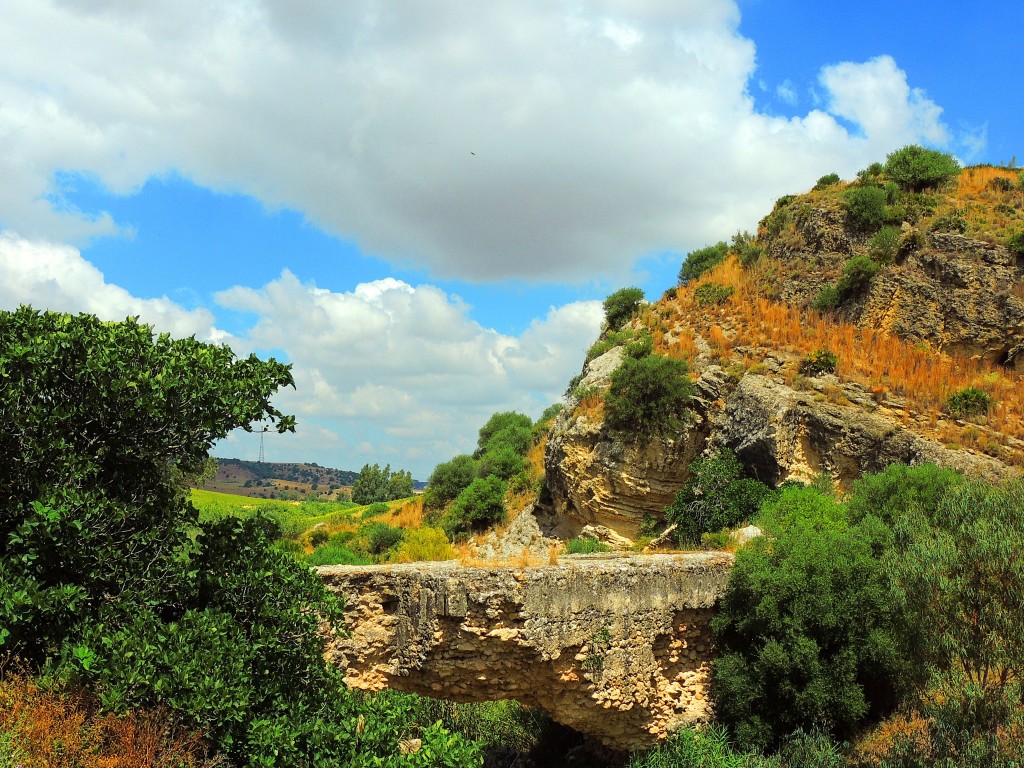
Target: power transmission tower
(260,459)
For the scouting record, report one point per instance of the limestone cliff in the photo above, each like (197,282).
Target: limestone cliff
(944,309)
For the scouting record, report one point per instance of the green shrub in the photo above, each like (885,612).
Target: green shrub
(870,173)
(621,306)
(505,429)
(647,396)
(1016,243)
(504,461)
(915,168)
(899,490)
(608,340)
(953,221)
(807,631)
(700,261)
(479,506)
(746,249)
(586,546)
(670,293)
(969,401)
(712,294)
(818,362)
(827,298)
(884,245)
(318,537)
(448,480)
(858,272)
(828,180)
(641,346)
(381,537)
(336,554)
(716,496)
(865,207)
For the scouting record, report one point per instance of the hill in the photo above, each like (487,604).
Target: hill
(279,480)
(832,343)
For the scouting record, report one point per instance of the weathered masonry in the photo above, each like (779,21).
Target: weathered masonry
(615,647)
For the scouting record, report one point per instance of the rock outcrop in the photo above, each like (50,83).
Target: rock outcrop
(615,647)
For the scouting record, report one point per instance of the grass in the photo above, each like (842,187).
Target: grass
(923,377)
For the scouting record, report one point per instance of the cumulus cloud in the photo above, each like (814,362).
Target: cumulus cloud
(478,140)
(401,373)
(56,277)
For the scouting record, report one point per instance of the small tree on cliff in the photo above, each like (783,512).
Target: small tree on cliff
(648,396)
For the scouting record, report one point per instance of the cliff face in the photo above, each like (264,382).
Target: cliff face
(947,295)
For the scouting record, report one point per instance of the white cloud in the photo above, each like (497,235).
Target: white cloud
(56,277)
(404,369)
(482,140)
(787,92)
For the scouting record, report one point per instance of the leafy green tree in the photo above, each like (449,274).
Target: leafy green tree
(900,490)
(807,631)
(505,427)
(621,306)
(700,261)
(865,207)
(716,496)
(503,460)
(481,505)
(374,485)
(108,580)
(648,395)
(915,168)
(448,480)
(961,578)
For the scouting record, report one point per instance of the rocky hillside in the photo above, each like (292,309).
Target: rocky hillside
(918,299)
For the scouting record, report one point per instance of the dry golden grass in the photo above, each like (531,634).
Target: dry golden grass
(884,364)
(409,514)
(62,730)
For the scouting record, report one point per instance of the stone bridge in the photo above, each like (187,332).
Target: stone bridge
(615,647)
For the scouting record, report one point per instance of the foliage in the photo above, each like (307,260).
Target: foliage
(1016,243)
(858,272)
(648,395)
(424,544)
(700,261)
(621,306)
(54,728)
(969,401)
(335,554)
(479,506)
(712,294)
(609,339)
(585,546)
(818,362)
(961,578)
(316,538)
(900,490)
(508,428)
(376,485)
(505,461)
(954,221)
(746,249)
(448,480)
(715,496)
(109,582)
(827,298)
(884,245)
(871,173)
(915,168)
(806,629)
(828,180)
(381,537)
(865,207)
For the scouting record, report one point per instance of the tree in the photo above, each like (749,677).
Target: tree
(506,427)
(915,168)
(480,505)
(700,261)
(648,395)
(108,580)
(807,632)
(375,485)
(716,496)
(621,306)
(865,207)
(448,480)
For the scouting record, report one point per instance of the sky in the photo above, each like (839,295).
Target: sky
(421,205)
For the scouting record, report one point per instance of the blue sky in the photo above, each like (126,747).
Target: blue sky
(421,206)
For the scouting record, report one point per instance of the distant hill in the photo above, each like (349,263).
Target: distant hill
(279,480)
